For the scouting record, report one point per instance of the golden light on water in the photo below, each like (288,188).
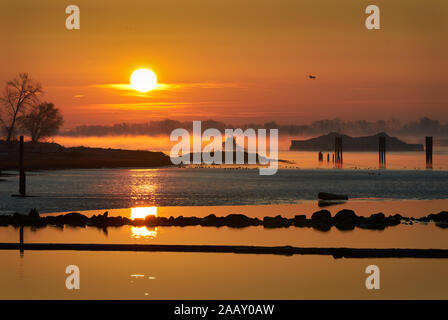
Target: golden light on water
(143,212)
(143,232)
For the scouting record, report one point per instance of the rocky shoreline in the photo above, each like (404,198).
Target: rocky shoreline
(321,220)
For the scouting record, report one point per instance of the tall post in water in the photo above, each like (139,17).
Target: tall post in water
(338,151)
(321,156)
(22,181)
(382,152)
(21,241)
(21,235)
(428,150)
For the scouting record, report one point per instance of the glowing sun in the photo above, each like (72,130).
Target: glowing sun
(143,80)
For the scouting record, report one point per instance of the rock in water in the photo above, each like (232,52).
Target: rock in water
(346,214)
(321,215)
(345,219)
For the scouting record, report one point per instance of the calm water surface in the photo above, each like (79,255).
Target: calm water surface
(70,190)
(142,275)
(199,192)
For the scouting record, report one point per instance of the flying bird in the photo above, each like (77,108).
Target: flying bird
(312,77)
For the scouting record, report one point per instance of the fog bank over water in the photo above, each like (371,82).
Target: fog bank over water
(154,135)
(417,128)
(162,142)
(138,142)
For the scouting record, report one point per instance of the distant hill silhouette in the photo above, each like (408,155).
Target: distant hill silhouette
(236,151)
(41,155)
(221,155)
(367,143)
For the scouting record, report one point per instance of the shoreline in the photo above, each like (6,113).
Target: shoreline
(322,220)
(362,206)
(287,166)
(53,156)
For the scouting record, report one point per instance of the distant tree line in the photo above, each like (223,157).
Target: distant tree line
(423,126)
(22,111)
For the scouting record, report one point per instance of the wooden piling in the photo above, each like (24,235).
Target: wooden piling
(21,235)
(338,151)
(22,178)
(428,150)
(382,152)
(21,240)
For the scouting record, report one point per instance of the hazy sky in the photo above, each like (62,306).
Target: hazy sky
(232,60)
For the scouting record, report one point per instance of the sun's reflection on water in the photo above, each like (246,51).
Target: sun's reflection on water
(143,232)
(143,212)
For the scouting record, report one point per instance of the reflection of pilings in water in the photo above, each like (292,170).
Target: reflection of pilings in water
(338,151)
(282,250)
(22,187)
(428,150)
(382,152)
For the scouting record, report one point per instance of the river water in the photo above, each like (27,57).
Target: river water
(201,191)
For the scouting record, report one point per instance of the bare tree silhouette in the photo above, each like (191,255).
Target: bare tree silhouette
(20,93)
(43,120)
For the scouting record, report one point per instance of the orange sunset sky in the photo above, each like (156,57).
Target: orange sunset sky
(233,61)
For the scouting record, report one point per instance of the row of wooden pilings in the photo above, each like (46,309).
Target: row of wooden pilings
(337,156)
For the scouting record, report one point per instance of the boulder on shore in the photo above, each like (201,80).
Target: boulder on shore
(321,220)
(321,215)
(275,222)
(300,220)
(240,221)
(345,219)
